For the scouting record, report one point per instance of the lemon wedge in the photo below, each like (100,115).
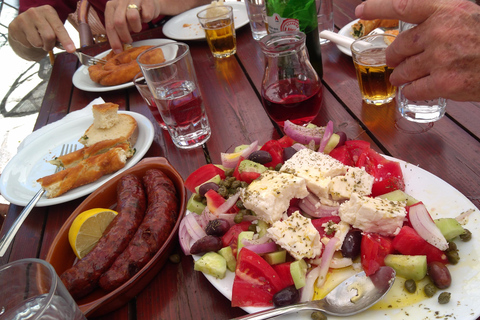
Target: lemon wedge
(87,229)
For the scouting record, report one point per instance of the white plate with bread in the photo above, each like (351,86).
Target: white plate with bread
(81,78)
(18,182)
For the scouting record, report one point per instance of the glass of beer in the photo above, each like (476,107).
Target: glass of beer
(217,21)
(373,74)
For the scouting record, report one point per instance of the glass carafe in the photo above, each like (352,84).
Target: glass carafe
(291,89)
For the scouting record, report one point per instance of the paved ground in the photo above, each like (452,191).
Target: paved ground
(22,87)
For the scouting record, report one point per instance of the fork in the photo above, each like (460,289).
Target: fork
(8,237)
(87,60)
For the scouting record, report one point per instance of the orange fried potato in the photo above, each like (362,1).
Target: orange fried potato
(121,68)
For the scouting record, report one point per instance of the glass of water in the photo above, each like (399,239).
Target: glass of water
(31,289)
(258,17)
(422,111)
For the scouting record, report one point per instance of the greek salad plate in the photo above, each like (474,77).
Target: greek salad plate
(443,201)
(18,180)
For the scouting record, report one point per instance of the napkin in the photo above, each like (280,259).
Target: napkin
(52,126)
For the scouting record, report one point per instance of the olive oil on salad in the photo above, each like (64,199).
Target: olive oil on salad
(396,298)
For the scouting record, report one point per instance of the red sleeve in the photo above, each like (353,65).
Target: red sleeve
(63,7)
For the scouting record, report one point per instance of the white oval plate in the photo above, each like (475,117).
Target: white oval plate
(81,78)
(347,32)
(442,200)
(18,180)
(185,26)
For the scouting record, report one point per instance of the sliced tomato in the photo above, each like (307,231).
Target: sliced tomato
(236,173)
(286,141)
(248,177)
(373,250)
(319,225)
(276,151)
(255,281)
(201,175)
(283,270)
(341,154)
(409,242)
(356,148)
(230,238)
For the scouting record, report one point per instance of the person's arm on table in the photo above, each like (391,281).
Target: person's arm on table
(34,32)
(440,57)
(125,16)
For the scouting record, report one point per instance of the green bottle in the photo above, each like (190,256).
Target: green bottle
(294,15)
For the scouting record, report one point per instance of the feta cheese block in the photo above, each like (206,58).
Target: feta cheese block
(315,167)
(373,214)
(270,194)
(355,180)
(297,235)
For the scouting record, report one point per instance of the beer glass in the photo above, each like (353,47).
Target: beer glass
(219,29)
(373,74)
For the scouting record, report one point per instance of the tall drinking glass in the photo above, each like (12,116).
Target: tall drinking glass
(144,90)
(257,15)
(174,86)
(422,111)
(325,17)
(31,289)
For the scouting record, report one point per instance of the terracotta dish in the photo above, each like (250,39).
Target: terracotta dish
(61,256)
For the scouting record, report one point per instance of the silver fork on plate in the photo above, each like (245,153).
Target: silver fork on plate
(84,59)
(8,237)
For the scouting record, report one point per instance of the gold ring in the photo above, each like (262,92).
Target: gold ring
(134,6)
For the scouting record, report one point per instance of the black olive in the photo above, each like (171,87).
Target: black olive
(288,153)
(217,227)
(204,188)
(351,244)
(260,156)
(285,297)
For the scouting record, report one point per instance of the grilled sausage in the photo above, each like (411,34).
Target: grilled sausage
(159,221)
(83,277)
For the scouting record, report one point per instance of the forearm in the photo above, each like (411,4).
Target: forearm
(30,54)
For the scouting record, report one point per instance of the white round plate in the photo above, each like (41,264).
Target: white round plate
(347,32)
(81,78)
(442,200)
(185,26)
(18,180)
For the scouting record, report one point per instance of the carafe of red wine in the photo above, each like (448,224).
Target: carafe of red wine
(291,89)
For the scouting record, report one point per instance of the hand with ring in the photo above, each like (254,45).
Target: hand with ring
(125,16)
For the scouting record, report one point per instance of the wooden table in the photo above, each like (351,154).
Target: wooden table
(449,148)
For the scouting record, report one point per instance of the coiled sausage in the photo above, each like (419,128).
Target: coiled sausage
(82,278)
(159,221)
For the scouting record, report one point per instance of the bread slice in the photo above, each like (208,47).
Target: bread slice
(87,171)
(105,115)
(125,127)
(74,158)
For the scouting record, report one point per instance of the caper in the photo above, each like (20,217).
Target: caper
(452,246)
(198,197)
(238,217)
(430,290)
(318,315)
(229,172)
(410,285)
(444,297)
(175,258)
(240,204)
(252,227)
(452,256)
(204,201)
(467,236)
(278,166)
(223,191)
(236,184)
(244,184)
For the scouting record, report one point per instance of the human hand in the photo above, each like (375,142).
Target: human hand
(40,28)
(125,16)
(438,57)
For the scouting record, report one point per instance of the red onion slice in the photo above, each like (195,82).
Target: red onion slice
(193,228)
(302,134)
(262,248)
(312,206)
(230,160)
(229,203)
(423,223)
(184,237)
(326,136)
(319,273)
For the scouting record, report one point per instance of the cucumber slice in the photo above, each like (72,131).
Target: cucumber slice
(243,235)
(298,270)
(213,264)
(227,253)
(399,195)
(276,257)
(449,227)
(195,206)
(408,267)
